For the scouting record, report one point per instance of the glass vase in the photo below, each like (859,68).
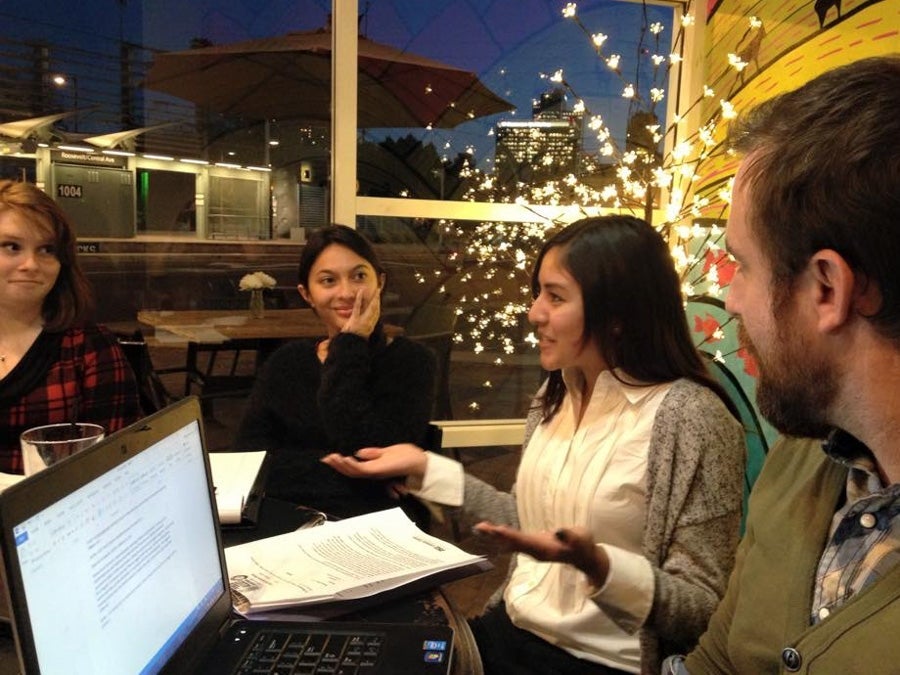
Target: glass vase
(257,303)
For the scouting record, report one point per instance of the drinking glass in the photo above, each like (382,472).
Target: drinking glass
(48,444)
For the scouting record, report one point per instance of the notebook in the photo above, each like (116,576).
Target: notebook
(113,563)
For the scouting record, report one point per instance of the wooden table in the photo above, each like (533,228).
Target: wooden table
(230,329)
(213,331)
(214,326)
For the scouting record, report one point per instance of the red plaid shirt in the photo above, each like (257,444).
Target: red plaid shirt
(89,381)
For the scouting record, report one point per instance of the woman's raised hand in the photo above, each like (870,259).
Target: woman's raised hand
(574,546)
(365,315)
(404,459)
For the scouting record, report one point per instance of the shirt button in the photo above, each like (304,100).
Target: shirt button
(867,520)
(824,613)
(790,657)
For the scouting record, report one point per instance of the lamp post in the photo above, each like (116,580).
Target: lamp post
(64,82)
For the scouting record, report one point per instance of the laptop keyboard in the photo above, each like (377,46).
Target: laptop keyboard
(285,652)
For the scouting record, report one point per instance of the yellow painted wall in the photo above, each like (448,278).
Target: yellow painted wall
(789,49)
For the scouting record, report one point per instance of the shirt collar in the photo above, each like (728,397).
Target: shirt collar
(845,448)
(609,381)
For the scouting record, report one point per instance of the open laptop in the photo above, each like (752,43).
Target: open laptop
(114,564)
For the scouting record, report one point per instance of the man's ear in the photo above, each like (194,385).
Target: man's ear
(381,280)
(835,288)
(304,294)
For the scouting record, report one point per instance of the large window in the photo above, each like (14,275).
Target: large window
(475,123)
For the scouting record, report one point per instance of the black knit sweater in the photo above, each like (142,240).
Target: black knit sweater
(367,393)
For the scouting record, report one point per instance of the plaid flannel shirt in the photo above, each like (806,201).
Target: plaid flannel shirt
(865,533)
(89,381)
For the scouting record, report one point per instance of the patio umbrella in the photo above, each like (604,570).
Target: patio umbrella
(289,76)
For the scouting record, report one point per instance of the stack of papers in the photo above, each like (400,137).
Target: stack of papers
(235,476)
(341,561)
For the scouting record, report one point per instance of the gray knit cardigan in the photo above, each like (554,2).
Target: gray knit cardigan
(694,496)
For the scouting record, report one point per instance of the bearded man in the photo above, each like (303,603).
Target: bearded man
(814,228)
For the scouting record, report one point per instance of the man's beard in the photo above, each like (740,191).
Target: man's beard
(793,391)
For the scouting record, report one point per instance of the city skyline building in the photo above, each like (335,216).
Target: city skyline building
(546,147)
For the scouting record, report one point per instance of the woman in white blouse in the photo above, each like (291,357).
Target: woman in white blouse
(627,502)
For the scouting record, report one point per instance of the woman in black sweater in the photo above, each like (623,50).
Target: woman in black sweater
(356,388)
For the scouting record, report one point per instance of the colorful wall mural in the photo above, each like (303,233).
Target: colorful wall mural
(781,46)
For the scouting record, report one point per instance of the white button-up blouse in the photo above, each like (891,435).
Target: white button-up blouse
(594,475)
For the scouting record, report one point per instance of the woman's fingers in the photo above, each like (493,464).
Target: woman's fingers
(569,545)
(369,453)
(370,313)
(396,460)
(540,545)
(365,314)
(349,466)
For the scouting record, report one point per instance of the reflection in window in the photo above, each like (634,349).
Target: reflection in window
(571,122)
(238,209)
(17,168)
(166,201)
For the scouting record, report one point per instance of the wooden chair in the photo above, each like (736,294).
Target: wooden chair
(450,435)
(212,383)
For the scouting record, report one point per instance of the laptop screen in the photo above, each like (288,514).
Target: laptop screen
(117,573)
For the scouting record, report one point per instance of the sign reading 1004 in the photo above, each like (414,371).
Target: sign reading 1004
(71,191)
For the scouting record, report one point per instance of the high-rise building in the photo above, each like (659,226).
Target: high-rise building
(547,146)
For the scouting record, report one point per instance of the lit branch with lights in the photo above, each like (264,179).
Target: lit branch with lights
(640,179)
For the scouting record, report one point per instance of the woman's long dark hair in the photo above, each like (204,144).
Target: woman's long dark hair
(632,304)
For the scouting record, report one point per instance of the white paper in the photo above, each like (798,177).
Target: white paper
(233,474)
(7,479)
(230,507)
(352,558)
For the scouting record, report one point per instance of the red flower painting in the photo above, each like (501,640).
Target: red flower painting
(749,362)
(709,327)
(725,266)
